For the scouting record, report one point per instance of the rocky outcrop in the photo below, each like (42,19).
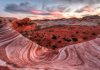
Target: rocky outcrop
(21,53)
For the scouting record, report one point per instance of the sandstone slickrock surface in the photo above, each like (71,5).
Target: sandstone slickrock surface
(20,53)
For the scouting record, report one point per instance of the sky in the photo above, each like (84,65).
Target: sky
(49,8)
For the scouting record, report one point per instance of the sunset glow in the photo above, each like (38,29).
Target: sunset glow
(49,9)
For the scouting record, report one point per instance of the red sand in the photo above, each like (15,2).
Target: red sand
(60,36)
(56,36)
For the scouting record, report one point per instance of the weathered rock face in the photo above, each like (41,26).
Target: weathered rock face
(23,25)
(88,20)
(21,53)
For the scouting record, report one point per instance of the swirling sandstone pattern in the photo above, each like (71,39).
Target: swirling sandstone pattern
(21,53)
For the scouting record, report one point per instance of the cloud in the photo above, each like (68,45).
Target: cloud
(25,8)
(50,7)
(68,5)
(80,1)
(59,8)
(86,8)
(18,8)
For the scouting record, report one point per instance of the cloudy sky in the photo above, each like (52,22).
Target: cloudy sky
(48,8)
